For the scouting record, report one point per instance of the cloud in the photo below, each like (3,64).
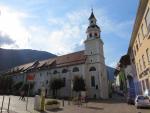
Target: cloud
(5,39)
(12,24)
(64,34)
(72,29)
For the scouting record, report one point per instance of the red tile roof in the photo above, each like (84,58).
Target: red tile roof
(71,59)
(59,61)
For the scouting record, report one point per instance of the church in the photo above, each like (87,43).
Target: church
(88,64)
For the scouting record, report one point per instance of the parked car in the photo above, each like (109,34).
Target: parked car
(142,101)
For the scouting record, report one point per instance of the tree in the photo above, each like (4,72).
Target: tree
(5,84)
(16,87)
(55,85)
(25,87)
(78,84)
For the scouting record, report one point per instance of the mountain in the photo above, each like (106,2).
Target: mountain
(13,57)
(110,73)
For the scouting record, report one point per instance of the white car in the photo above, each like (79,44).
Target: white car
(142,101)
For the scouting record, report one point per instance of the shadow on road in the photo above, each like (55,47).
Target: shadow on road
(114,100)
(95,108)
(47,111)
(109,101)
(56,110)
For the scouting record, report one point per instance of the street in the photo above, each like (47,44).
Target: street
(99,106)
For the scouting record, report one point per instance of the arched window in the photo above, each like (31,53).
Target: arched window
(90,35)
(95,34)
(75,69)
(46,81)
(55,72)
(92,69)
(64,71)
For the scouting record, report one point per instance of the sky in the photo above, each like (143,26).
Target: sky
(59,26)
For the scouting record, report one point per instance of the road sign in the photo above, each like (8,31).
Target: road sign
(30,76)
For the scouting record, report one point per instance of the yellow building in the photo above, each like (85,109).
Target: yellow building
(139,48)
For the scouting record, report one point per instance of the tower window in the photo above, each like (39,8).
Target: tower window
(91,21)
(96,34)
(90,35)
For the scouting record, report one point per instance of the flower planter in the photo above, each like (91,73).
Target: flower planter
(52,107)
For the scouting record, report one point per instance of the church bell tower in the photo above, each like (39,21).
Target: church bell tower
(95,64)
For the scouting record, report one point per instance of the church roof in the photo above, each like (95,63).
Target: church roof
(56,62)
(93,26)
(71,59)
(92,16)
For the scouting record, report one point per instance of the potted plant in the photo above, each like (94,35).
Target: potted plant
(52,104)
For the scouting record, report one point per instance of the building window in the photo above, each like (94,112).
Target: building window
(55,72)
(46,81)
(92,81)
(95,34)
(90,35)
(92,69)
(64,81)
(39,91)
(94,96)
(45,91)
(143,84)
(134,51)
(143,31)
(64,71)
(140,65)
(147,84)
(75,69)
(137,67)
(139,39)
(143,61)
(148,54)
(137,45)
(96,86)
(40,74)
(147,19)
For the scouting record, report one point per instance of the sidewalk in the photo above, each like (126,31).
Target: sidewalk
(5,111)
